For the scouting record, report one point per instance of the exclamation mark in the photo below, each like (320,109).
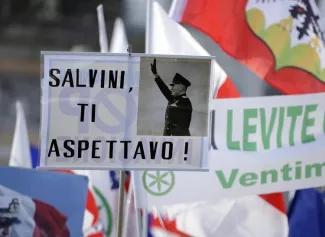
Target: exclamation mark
(185,150)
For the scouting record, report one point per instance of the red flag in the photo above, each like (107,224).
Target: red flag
(269,37)
(49,222)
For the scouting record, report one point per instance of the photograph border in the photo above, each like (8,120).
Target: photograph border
(210,97)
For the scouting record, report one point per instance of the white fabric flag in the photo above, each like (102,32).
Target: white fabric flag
(168,37)
(101,217)
(20,151)
(119,40)
(244,217)
(102,29)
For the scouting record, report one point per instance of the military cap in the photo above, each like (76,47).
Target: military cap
(179,79)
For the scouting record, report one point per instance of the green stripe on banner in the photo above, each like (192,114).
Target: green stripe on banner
(108,211)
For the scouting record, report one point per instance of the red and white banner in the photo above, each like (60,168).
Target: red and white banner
(280,40)
(29,217)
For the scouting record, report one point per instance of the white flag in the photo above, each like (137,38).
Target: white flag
(119,40)
(20,152)
(168,37)
(102,29)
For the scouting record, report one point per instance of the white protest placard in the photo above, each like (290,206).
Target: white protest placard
(104,111)
(258,145)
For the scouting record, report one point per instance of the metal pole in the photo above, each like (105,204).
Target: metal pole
(121,204)
(138,222)
(129,205)
(148,51)
(121,188)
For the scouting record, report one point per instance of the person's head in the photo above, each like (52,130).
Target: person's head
(179,85)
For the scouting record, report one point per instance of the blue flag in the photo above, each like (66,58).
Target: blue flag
(307,213)
(34,156)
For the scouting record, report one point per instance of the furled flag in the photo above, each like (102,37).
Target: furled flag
(254,215)
(307,213)
(23,216)
(281,41)
(20,150)
(119,41)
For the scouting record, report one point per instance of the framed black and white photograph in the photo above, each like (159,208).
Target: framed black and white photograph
(173,97)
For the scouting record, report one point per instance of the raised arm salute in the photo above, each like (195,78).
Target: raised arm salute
(162,86)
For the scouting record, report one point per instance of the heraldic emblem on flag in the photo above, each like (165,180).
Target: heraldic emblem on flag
(9,216)
(291,30)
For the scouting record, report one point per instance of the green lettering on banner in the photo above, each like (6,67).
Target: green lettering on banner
(280,128)
(265,173)
(298,170)
(286,172)
(232,145)
(294,112)
(248,179)
(249,129)
(294,171)
(318,167)
(308,122)
(224,182)
(266,131)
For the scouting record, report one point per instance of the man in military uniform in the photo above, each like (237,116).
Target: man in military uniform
(179,109)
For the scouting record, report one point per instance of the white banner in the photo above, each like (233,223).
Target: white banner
(120,111)
(286,131)
(267,123)
(235,174)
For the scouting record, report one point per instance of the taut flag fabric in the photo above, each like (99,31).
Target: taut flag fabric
(280,40)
